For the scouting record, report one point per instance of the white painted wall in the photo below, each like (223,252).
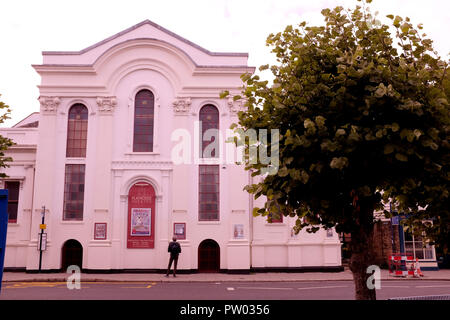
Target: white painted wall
(172,68)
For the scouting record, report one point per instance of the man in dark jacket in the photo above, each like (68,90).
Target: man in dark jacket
(174,249)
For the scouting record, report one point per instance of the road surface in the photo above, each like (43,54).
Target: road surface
(318,290)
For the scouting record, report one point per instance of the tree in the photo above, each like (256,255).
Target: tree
(5,143)
(363,114)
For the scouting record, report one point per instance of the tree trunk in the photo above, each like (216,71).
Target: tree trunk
(362,253)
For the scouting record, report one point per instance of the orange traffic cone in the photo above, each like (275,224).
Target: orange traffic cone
(413,271)
(419,272)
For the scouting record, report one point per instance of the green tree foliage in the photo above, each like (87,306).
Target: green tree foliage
(5,143)
(363,113)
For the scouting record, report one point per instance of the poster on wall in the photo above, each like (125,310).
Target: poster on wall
(141,221)
(141,216)
(179,230)
(239,231)
(100,231)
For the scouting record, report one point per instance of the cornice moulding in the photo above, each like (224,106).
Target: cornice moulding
(64,68)
(141,164)
(73,91)
(222,70)
(23,147)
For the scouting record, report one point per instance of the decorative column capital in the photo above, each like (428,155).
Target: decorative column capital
(106,105)
(236,106)
(49,104)
(182,106)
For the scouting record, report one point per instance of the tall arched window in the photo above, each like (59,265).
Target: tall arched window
(208,193)
(77,131)
(144,112)
(209,140)
(74,192)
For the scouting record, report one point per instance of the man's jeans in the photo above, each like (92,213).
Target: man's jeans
(173,258)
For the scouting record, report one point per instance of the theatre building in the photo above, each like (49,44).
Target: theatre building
(100,158)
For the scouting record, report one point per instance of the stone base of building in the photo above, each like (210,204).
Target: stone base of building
(192,271)
(300,269)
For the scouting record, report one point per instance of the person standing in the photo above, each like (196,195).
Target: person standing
(174,249)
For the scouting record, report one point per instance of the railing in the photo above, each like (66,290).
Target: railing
(436,297)
(417,250)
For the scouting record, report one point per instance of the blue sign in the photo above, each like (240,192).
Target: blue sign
(395,220)
(3,229)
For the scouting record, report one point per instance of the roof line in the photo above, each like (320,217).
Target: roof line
(197,66)
(25,118)
(233,54)
(140,39)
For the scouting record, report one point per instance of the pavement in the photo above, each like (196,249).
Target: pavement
(441,275)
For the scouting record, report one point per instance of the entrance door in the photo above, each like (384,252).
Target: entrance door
(208,256)
(141,216)
(72,254)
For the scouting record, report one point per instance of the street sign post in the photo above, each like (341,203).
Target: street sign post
(42,238)
(42,243)
(3,229)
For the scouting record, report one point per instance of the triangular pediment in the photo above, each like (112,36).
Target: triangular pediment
(145,30)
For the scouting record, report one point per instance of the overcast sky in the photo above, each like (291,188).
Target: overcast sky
(29,27)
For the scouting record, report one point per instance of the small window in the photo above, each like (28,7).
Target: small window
(74,192)
(209,195)
(144,110)
(13,200)
(77,131)
(209,119)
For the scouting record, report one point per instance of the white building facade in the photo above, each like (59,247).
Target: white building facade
(100,157)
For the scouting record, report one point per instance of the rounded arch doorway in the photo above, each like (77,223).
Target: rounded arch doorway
(141,216)
(71,254)
(208,256)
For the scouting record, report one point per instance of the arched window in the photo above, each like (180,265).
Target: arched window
(209,140)
(77,131)
(144,112)
(74,192)
(209,193)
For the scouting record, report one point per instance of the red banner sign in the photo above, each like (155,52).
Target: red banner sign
(141,216)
